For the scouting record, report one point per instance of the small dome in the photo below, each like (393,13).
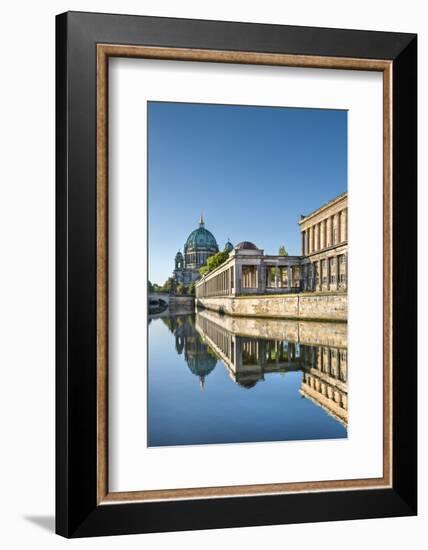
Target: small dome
(245,245)
(179,256)
(228,247)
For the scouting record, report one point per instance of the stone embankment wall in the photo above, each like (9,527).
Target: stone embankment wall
(332,307)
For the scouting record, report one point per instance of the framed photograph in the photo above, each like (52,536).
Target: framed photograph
(236,274)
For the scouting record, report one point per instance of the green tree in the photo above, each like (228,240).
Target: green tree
(168,285)
(282,251)
(214,261)
(150,287)
(191,289)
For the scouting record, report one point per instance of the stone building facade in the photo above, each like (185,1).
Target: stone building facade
(322,265)
(324,237)
(325,379)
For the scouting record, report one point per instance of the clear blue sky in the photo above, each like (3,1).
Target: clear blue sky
(251,171)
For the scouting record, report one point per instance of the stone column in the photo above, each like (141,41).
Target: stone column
(328,272)
(238,270)
(337,272)
(322,230)
(328,233)
(337,219)
(345,224)
(263,277)
(344,271)
(303,243)
(339,227)
(276,276)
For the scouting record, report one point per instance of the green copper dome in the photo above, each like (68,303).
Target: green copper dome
(201,238)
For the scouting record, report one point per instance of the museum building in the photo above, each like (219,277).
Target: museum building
(322,265)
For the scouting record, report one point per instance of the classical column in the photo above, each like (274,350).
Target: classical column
(346,270)
(303,243)
(263,277)
(345,224)
(276,276)
(337,272)
(322,227)
(337,220)
(328,273)
(328,231)
(339,227)
(238,270)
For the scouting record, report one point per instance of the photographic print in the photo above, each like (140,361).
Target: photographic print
(247,289)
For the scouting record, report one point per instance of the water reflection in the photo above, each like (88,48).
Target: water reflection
(273,364)
(199,358)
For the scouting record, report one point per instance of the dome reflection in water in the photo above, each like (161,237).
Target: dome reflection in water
(217,379)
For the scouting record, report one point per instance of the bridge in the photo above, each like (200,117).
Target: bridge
(164,303)
(158,302)
(159,296)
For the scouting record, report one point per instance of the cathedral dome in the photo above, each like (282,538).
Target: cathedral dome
(201,364)
(201,238)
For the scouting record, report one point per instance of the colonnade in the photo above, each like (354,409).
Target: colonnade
(328,232)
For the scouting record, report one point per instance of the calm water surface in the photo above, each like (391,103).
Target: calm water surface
(217,379)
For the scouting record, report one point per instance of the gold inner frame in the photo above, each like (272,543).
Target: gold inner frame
(104,51)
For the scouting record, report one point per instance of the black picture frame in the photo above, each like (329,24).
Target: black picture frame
(77,511)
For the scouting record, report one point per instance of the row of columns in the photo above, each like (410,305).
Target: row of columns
(220,285)
(315,280)
(326,233)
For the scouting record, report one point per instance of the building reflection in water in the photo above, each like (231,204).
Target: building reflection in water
(199,357)
(252,348)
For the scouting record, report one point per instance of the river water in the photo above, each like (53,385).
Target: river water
(218,379)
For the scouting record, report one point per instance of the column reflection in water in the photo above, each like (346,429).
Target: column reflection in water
(219,379)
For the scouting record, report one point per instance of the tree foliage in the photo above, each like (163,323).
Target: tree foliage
(214,261)
(282,251)
(181,289)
